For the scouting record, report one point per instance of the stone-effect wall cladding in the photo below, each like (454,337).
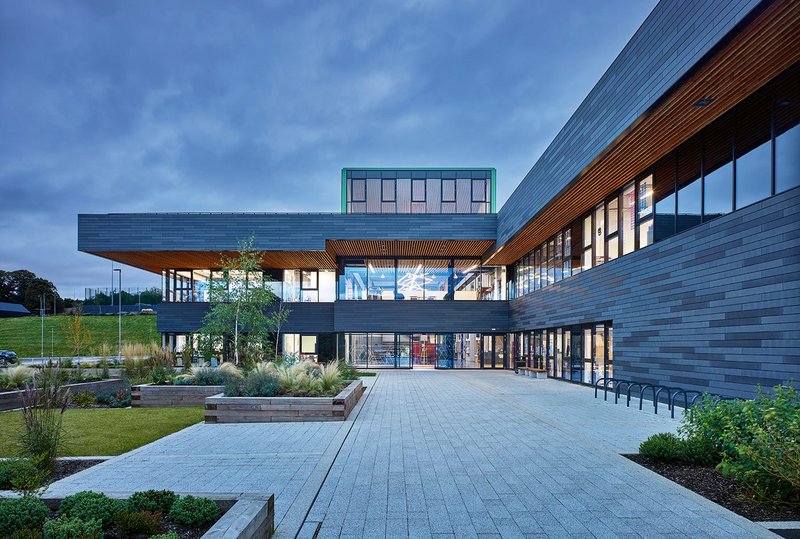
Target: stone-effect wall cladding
(221,409)
(147,395)
(716,308)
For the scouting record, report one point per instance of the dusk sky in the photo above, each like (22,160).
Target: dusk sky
(206,106)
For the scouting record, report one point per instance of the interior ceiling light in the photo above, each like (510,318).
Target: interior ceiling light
(703,102)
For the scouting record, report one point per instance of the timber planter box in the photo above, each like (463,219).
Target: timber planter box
(222,409)
(11,400)
(147,395)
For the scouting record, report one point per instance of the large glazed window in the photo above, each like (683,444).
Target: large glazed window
(418,191)
(787,131)
(753,150)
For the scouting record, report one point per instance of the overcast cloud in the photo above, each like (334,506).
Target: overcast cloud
(147,106)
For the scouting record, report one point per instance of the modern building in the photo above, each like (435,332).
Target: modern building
(656,239)
(13,310)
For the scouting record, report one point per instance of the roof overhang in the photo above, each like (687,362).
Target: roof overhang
(756,52)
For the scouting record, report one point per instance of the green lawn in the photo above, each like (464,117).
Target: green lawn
(24,335)
(106,431)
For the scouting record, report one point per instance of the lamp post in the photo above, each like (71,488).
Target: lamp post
(119,317)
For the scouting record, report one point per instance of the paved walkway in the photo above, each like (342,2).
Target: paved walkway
(438,454)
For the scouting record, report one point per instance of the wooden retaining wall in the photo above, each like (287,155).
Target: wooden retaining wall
(221,409)
(11,400)
(147,395)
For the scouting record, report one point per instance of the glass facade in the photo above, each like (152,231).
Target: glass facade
(748,154)
(418,191)
(423,350)
(581,354)
(420,279)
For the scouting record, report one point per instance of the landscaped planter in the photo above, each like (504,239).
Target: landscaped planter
(221,409)
(248,518)
(146,395)
(9,400)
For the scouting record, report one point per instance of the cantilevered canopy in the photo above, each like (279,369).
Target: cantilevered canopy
(737,68)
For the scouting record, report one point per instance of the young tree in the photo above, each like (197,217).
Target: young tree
(241,300)
(278,317)
(78,334)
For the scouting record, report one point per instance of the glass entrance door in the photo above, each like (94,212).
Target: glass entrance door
(423,350)
(493,352)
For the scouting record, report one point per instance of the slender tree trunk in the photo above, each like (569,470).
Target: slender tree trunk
(236,338)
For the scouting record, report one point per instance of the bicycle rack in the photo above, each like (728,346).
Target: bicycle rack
(641,388)
(685,393)
(671,393)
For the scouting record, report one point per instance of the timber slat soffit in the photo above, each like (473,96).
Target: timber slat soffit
(766,47)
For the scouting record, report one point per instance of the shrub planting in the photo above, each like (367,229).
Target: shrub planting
(18,514)
(194,511)
(85,399)
(755,442)
(137,522)
(88,504)
(73,528)
(12,471)
(664,446)
(27,533)
(115,399)
(154,501)
(168,535)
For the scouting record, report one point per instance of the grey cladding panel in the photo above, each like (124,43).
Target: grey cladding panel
(721,323)
(673,38)
(275,232)
(355,316)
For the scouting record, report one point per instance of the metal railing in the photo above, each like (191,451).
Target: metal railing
(690,396)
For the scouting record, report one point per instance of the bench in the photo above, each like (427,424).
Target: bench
(533,373)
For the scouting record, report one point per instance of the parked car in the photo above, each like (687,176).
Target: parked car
(147,310)
(7,356)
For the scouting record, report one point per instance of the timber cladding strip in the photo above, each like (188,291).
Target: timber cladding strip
(763,50)
(148,395)
(221,409)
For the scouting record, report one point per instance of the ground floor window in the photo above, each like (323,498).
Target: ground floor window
(581,353)
(424,350)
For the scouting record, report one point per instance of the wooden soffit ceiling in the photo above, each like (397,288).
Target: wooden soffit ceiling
(155,261)
(409,248)
(767,46)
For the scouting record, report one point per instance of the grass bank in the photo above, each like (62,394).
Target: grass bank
(24,335)
(106,431)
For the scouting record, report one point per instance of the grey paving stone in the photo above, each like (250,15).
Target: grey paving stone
(438,454)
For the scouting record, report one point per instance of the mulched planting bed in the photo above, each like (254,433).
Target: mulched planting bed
(65,468)
(184,532)
(710,483)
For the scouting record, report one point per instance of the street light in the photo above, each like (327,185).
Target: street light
(119,317)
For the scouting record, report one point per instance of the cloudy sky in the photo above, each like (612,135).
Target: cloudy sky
(146,106)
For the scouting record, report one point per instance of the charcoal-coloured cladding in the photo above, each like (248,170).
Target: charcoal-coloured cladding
(716,308)
(188,317)
(673,38)
(271,231)
(360,316)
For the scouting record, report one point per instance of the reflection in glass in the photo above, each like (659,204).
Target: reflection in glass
(381,279)
(438,279)
(410,279)
(599,236)
(353,282)
(628,229)
(753,175)
(787,160)
(718,194)
(689,205)
(645,197)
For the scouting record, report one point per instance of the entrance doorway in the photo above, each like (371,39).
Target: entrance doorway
(493,352)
